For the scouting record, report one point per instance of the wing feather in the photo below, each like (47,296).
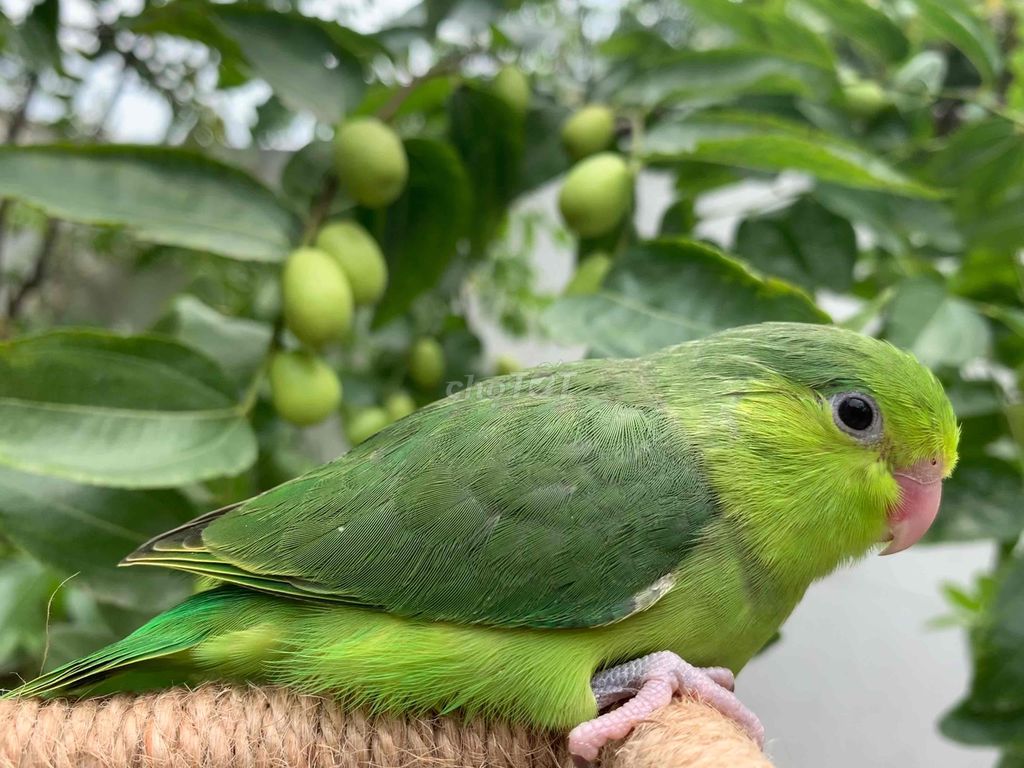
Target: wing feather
(550,500)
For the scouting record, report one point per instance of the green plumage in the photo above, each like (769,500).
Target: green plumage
(460,512)
(493,550)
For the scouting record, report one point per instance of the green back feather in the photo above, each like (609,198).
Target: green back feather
(554,499)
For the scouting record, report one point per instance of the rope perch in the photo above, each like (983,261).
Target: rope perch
(223,727)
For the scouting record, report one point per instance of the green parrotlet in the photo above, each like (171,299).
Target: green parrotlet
(543,546)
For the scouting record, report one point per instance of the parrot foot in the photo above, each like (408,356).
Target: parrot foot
(649,683)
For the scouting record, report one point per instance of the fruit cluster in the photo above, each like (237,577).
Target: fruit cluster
(324,282)
(598,191)
(343,267)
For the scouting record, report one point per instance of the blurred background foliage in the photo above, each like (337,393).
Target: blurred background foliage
(140,299)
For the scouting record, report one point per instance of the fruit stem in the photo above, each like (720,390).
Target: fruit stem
(252,391)
(636,142)
(636,165)
(321,207)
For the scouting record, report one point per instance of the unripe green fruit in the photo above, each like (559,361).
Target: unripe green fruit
(596,194)
(505,364)
(303,387)
(360,259)
(426,363)
(364,424)
(399,405)
(513,87)
(589,130)
(316,297)
(589,275)
(865,98)
(371,161)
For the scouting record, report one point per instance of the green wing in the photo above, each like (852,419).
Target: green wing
(557,499)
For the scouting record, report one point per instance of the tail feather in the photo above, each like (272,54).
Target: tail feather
(179,629)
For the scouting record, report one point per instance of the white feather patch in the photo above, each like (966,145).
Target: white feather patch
(648,596)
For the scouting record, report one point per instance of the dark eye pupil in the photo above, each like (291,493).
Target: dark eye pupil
(856,413)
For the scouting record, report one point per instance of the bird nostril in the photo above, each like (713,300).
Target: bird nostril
(927,470)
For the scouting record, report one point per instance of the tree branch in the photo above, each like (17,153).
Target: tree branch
(20,117)
(18,122)
(321,207)
(38,274)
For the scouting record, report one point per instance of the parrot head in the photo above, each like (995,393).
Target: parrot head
(835,442)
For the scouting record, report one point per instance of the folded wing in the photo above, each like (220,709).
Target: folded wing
(565,498)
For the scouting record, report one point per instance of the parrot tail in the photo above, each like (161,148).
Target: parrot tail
(179,629)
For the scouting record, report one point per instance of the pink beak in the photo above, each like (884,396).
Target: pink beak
(914,513)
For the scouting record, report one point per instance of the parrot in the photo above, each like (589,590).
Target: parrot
(567,547)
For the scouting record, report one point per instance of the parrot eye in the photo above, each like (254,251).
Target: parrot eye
(857,415)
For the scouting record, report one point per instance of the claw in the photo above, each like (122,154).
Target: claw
(649,684)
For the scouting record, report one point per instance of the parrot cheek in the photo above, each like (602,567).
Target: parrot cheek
(918,504)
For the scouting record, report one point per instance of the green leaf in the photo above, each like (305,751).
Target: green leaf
(364,47)
(981,161)
(191,20)
(291,53)
(273,118)
(991,276)
(633,43)
(767,27)
(427,97)
(25,589)
(1011,317)
(422,229)
(694,177)
(957,22)
(980,501)
(1000,227)
(161,195)
(900,224)
(238,345)
(663,292)
(993,710)
(474,15)
(86,530)
(130,412)
(766,143)
(488,135)
(305,173)
(919,78)
(546,158)
(865,27)
(938,328)
(720,75)
(35,39)
(678,220)
(462,351)
(806,244)
(980,407)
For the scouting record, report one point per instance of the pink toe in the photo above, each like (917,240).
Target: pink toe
(662,674)
(586,739)
(721,675)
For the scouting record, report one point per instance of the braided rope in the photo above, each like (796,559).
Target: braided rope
(224,727)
